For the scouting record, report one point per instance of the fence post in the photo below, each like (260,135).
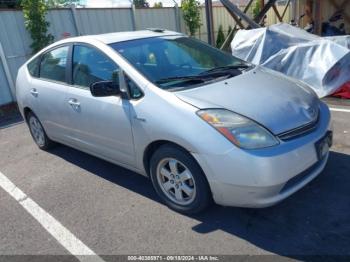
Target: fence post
(177,18)
(293,11)
(7,73)
(74,14)
(133,16)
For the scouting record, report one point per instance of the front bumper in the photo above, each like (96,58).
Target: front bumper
(261,178)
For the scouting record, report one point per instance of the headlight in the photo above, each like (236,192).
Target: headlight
(240,130)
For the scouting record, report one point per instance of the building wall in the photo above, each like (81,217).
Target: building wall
(222,17)
(5,95)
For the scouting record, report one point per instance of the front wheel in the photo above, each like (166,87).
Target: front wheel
(179,181)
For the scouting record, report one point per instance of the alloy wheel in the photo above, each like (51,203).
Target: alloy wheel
(176,181)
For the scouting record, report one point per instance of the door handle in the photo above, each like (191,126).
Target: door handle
(74,102)
(34,92)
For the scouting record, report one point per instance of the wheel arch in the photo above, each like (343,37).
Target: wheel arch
(155,145)
(152,148)
(26,111)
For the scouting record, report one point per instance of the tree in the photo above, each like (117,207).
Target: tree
(140,3)
(191,15)
(220,37)
(256,8)
(34,15)
(158,5)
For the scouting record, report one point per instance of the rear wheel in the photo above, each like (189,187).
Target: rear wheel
(179,181)
(38,133)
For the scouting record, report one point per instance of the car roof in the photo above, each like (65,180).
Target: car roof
(123,36)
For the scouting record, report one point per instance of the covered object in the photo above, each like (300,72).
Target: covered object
(323,63)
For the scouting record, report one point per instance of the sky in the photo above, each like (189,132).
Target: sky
(123,3)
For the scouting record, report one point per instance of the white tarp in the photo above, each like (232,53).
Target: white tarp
(343,40)
(323,63)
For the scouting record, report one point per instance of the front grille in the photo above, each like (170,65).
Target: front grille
(299,131)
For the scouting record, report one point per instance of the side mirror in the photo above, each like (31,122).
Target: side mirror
(104,88)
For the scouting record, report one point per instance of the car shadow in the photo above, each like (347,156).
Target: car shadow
(314,221)
(10,120)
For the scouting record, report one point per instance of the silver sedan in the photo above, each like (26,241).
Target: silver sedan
(203,125)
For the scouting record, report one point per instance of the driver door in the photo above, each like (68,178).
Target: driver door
(98,125)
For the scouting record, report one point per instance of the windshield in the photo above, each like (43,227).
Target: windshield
(178,61)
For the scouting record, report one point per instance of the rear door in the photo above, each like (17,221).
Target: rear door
(100,125)
(49,89)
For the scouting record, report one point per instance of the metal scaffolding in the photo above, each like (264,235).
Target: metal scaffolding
(242,20)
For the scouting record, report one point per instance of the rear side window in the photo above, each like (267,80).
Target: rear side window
(91,66)
(33,67)
(53,64)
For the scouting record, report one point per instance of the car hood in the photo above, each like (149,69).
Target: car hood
(269,98)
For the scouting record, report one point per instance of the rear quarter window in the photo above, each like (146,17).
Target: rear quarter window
(33,67)
(53,64)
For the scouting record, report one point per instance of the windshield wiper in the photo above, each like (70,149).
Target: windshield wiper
(225,68)
(181,79)
(217,72)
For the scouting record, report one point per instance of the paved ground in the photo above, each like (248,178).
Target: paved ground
(115,211)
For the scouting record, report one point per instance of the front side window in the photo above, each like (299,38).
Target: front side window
(173,61)
(53,64)
(134,90)
(91,66)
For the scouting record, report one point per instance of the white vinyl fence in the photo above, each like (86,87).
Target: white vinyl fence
(15,40)
(64,22)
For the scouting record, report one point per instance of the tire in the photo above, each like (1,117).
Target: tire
(38,133)
(179,181)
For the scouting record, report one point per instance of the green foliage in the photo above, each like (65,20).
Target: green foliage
(34,14)
(158,5)
(256,8)
(140,3)
(191,15)
(61,3)
(220,39)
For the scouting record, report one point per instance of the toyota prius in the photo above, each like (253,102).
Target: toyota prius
(203,125)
